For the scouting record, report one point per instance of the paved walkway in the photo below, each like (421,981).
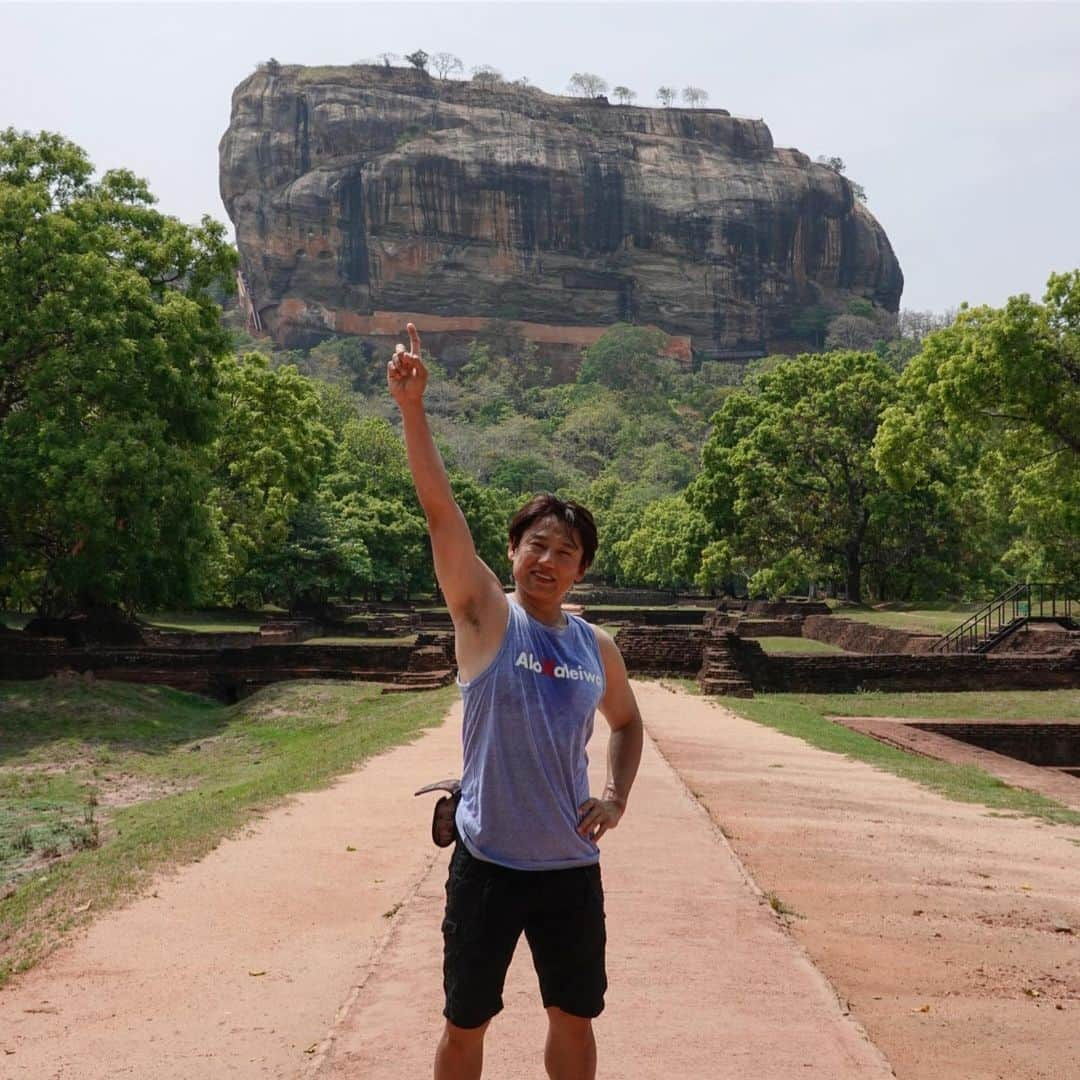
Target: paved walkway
(282,954)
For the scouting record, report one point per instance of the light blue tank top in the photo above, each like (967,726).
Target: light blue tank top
(528,717)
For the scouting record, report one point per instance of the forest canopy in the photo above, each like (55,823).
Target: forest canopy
(153,454)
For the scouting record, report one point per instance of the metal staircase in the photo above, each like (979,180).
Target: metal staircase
(1008,612)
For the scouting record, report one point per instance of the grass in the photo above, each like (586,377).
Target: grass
(404,639)
(104,784)
(797,645)
(929,617)
(804,716)
(205,622)
(782,908)
(1031,705)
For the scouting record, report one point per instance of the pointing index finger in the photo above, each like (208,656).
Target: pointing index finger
(414,340)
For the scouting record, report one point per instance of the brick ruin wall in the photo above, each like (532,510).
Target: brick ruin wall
(905,672)
(643,617)
(680,650)
(1038,638)
(662,650)
(225,673)
(1045,743)
(858,636)
(746,626)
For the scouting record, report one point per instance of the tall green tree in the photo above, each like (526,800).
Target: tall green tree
(791,489)
(271,451)
(628,358)
(108,336)
(664,551)
(995,397)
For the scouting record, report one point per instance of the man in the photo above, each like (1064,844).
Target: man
(531,677)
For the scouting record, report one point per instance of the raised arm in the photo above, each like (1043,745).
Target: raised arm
(473,592)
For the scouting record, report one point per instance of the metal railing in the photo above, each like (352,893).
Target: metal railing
(1007,612)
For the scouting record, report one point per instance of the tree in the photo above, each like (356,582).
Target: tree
(618,508)
(694,96)
(664,551)
(108,334)
(419,60)
(863,327)
(369,498)
(585,84)
(389,59)
(624,94)
(487,510)
(590,434)
(486,77)
(788,477)
(916,325)
(666,95)
(271,451)
(625,358)
(996,396)
(446,64)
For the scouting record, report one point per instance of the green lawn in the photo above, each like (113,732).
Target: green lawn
(14,620)
(931,618)
(804,716)
(975,704)
(205,622)
(797,645)
(102,784)
(404,639)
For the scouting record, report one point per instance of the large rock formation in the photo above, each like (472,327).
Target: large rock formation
(365,195)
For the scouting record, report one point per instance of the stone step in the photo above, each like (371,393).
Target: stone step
(419,680)
(720,672)
(740,690)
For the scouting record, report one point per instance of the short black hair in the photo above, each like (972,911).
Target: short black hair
(568,513)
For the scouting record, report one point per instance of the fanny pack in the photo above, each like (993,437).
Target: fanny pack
(443,828)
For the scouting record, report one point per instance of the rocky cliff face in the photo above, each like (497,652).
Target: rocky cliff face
(362,196)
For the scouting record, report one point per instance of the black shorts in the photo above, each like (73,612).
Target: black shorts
(488,906)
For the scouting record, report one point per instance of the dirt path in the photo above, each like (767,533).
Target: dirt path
(705,983)
(284,954)
(953,933)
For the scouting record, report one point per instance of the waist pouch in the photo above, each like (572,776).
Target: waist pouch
(443,827)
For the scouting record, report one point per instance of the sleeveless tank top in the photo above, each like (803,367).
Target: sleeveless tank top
(528,717)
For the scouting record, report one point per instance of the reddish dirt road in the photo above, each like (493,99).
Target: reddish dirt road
(952,932)
(705,983)
(284,954)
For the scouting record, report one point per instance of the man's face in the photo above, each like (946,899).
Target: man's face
(547,561)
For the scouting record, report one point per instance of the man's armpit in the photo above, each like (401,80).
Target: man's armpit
(471,613)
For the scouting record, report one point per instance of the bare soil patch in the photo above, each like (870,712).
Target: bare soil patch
(953,933)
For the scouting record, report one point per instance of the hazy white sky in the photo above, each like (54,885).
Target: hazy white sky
(962,121)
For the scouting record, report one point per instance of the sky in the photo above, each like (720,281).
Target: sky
(961,121)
